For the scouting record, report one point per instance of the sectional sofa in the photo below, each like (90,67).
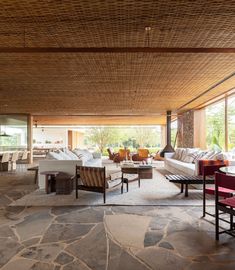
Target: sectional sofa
(188,164)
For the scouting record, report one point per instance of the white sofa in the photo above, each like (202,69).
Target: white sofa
(66,165)
(176,166)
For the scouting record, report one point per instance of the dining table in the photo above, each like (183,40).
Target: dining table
(230,170)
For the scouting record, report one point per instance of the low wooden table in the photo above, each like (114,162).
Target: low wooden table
(143,172)
(50,180)
(187,180)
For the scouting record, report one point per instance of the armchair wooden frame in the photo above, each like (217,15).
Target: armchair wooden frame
(93,179)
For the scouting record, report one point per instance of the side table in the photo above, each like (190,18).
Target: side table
(50,180)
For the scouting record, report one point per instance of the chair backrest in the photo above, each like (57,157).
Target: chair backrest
(25,155)
(206,162)
(5,157)
(143,152)
(124,153)
(92,176)
(110,152)
(211,169)
(15,156)
(224,180)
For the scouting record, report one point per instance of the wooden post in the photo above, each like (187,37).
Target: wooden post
(226,123)
(30,138)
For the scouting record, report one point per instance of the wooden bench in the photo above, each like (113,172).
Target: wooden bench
(187,180)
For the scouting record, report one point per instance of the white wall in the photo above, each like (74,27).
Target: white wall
(50,134)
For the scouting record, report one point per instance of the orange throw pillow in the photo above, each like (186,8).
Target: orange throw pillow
(123,153)
(143,153)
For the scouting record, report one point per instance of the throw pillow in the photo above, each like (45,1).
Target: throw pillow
(191,154)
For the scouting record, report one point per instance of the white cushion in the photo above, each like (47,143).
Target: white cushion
(54,155)
(190,155)
(64,155)
(71,154)
(186,168)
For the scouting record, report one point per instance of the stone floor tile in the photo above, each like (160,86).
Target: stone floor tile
(191,243)
(128,230)
(76,265)
(61,210)
(62,232)
(152,238)
(84,216)
(162,259)
(19,264)
(31,242)
(119,259)
(210,266)
(137,210)
(8,248)
(45,253)
(6,231)
(91,249)
(64,258)
(42,266)
(166,245)
(33,225)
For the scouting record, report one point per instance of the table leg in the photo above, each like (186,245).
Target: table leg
(127,185)
(36,177)
(46,184)
(186,190)
(182,187)
(122,184)
(139,180)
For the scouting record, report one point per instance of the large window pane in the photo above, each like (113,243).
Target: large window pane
(13,132)
(231,123)
(215,126)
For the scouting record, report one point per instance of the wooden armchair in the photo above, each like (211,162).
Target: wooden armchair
(94,179)
(142,155)
(123,154)
(111,153)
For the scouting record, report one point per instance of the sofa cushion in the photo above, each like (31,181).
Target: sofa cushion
(71,154)
(54,155)
(190,155)
(187,168)
(64,155)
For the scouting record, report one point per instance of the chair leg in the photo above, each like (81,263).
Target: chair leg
(76,188)
(216,223)
(231,220)
(204,204)
(104,196)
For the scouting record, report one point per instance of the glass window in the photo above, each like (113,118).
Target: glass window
(231,123)
(174,133)
(215,126)
(13,132)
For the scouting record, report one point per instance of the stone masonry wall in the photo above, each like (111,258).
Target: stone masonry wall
(186,129)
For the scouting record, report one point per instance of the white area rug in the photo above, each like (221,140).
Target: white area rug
(156,191)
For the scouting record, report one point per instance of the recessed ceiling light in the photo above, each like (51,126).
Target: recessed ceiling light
(147,28)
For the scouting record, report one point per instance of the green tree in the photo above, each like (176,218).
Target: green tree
(103,136)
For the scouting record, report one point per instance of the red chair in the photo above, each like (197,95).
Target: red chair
(226,205)
(209,170)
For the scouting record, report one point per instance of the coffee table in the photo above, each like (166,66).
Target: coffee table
(143,172)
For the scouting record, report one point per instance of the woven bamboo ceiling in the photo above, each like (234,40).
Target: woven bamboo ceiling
(108,82)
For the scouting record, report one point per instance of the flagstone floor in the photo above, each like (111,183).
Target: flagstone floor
(107,237)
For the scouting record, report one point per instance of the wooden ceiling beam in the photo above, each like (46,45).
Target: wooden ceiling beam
(113,50)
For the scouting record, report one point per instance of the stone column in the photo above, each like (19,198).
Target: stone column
(186,129)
